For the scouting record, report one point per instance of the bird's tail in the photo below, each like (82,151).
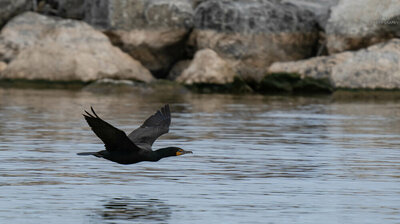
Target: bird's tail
(87,154)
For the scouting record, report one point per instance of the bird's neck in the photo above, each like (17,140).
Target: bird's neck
(162,153)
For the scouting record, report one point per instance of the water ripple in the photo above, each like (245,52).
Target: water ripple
(256,159)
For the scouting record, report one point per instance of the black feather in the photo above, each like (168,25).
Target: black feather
(113,138)
(152,128)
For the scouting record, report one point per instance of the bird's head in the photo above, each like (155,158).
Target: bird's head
(172,151)
(179,151)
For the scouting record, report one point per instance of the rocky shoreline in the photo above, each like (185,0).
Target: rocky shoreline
(241,46)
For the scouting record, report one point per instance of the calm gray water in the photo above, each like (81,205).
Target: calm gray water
(257,159)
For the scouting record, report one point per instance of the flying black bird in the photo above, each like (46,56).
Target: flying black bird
(135,147)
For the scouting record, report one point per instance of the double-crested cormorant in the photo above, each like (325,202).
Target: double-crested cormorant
(135,147)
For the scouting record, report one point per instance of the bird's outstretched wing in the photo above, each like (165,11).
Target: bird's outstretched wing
(152,128)
(114,139)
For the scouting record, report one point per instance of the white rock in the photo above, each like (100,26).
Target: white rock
(66,50)
(207,67)
(377,67)
(356,24)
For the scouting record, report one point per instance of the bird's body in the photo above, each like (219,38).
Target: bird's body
(137,146)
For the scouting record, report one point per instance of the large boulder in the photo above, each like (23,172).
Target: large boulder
(65,50)
(207,68)
(255,33)
(11,8)
(377,67)
(21,32)
(151,31)
(358,24)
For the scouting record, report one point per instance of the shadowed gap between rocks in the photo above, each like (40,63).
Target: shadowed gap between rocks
(168,55)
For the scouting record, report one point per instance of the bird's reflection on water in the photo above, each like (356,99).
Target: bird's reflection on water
(125,208)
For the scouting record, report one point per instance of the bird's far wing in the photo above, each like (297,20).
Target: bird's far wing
(152,128)
(114,139)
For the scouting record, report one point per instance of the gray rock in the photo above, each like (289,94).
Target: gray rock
(253,16)
(377,67)
(65,50)
(320,8)
(255,33)
(72,9)
(358,24)
(11,8)
(195,3)
(127,15)
(151,31)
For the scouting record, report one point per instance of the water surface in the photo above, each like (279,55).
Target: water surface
(257,159)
